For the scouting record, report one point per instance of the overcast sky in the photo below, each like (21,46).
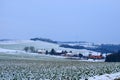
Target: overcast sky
(63,20)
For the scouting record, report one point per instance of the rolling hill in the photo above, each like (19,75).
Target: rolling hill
(20,44)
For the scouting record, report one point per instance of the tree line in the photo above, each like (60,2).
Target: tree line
(32,49)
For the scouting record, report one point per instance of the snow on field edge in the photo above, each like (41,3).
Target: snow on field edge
(106,77)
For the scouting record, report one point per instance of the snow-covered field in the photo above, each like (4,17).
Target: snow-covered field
(56,69)
(15,64)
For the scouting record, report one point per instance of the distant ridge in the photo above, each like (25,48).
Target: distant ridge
(5,39)
(44,39)
(53,41)
(103,48)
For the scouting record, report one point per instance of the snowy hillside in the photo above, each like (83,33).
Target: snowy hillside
(20,44)
(84,44)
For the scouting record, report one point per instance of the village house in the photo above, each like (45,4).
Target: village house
(41,51)
(95,56)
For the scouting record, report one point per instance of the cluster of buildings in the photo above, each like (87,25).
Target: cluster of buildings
(70,54)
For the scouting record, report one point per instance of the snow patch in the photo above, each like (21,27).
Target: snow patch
(8,51)
(106,77)
(15,41)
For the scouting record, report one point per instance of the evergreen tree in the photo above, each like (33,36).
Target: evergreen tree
(46,52)
(80,55)
(115,57)
(52,52)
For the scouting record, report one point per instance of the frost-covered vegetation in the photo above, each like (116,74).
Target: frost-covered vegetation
(17,69)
